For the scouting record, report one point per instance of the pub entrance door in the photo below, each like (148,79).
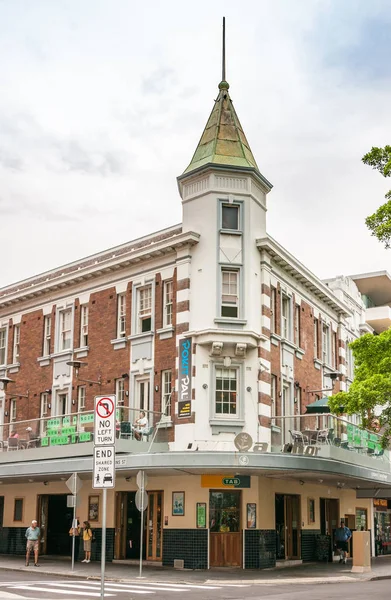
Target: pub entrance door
(225,528)
(288,527)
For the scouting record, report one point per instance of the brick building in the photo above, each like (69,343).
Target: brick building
(213,329)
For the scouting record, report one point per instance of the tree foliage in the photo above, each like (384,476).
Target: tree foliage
(370,393)
(379,223)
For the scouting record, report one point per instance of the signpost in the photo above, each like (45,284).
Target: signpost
(103,476)
(141,503)
(74,485)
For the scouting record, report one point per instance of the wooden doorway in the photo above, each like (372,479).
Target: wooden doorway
(154,526)
(225,528)
(127,527)
(329,516)
(288,527)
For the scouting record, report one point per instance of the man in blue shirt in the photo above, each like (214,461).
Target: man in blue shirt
(32,537)
(342,536)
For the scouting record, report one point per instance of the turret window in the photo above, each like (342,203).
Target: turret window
(230,293)
(230,217)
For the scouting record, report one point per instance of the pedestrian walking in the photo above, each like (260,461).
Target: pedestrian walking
(32,536)
(75,532)
(87,539)
(342,536)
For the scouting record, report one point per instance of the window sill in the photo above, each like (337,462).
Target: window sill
(230,321)
(165,424)
(275,339)
(165,332)
(226,424)
(288,343)
(141,336)
(231,231)
(317,363)
(44,361)
(119,343)
(14,368)
(299,353)
(61,353)
(81,352)
(275,428)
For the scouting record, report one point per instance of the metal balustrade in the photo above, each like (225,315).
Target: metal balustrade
(299,432)
(77,428)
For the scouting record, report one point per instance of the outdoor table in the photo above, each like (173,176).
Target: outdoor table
(311,435)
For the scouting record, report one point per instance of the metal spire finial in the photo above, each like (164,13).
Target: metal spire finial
(223,77)
(223,85)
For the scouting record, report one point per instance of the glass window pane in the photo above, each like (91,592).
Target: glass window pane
(230,217)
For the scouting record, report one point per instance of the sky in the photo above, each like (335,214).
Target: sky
(103,102)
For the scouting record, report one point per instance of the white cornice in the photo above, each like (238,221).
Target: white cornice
(297,270)
(89,269)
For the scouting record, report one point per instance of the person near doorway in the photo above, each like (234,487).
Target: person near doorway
(75,532)
(140,426)
(342,537)
(87,539)
(32,536)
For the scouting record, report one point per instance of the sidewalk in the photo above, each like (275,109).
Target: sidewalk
(308,573)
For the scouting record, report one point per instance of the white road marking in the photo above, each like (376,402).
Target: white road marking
(108,587)
(167,586)
(57,591)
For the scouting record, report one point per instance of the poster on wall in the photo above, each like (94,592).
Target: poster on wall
(201,515)
(184,378)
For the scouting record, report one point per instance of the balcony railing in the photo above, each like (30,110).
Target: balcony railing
(321,434)
(78,428)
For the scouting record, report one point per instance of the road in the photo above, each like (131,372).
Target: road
(16,585)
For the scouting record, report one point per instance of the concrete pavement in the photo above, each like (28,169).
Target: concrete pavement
(308,573)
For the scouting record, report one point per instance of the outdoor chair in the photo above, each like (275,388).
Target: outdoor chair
(322,436)
(13,443)
(126,430)
(148,432)
(298,437)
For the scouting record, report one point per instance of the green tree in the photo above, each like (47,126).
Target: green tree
(370,392)
(380,222)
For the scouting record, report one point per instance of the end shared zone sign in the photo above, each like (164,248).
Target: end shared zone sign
(104,467)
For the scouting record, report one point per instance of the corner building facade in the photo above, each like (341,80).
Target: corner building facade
(214,330)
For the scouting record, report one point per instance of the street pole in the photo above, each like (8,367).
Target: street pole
(73,532)
(103,550)
(142,527)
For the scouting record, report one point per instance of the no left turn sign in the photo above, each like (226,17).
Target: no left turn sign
(104,421)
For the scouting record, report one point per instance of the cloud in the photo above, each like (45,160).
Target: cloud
(10,161)
(104,163)
(158,81)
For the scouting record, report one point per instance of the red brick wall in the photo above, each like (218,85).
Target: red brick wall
(307,376)
(102,358)
(31,376)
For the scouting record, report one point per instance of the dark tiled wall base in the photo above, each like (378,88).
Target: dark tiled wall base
(97,545)
(308,544)
(259,548)
(12,540)
(190,545)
